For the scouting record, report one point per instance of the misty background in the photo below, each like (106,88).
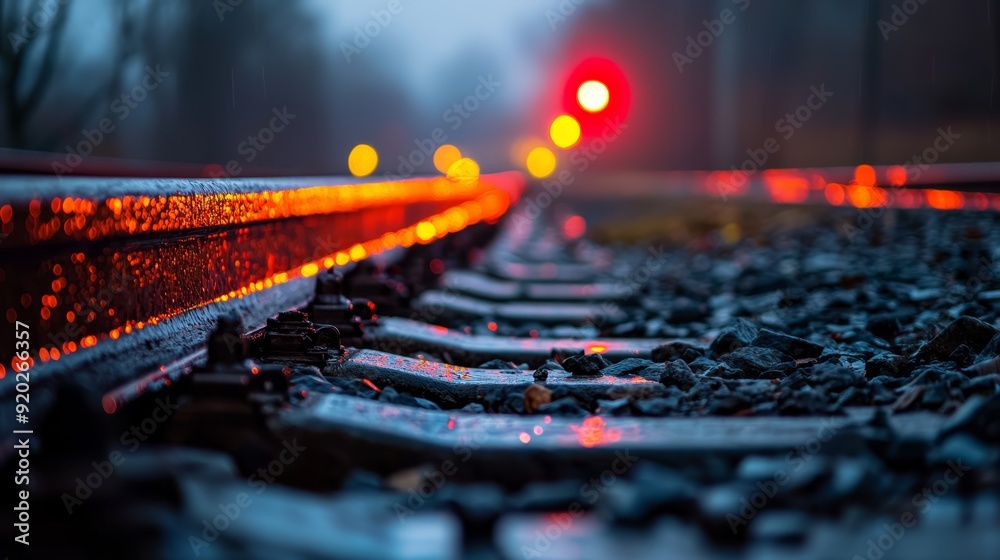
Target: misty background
(359,72)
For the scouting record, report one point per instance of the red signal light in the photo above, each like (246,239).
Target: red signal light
(596,92)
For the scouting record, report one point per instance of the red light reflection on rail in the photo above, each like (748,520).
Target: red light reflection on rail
(110,294)
(593,432)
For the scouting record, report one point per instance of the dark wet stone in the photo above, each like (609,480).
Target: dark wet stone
(991,350)
(619,407)
(759,281)
(964,330)
(850,396)
(933,397)
(685,310)
(678,374)
(939,373)
(726,371)
(588,365)
(388,395)
(566,406)
(986,367)
(887,325)
(736,336)
(626,367)
(359,388)
(834,378)
(629,329)
(963,356)
(702,364)
(500,364)
(514,403)
(560,355)
(732,403)
(797,348)
(473,408)
(886,363)
(984,385)
(805,403)
(660,406)
(752,361)
(417,402)
(978,417)
(676,350)
(708,387)
(542,373)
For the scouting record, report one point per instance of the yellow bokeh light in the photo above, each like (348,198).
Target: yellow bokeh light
(445,156)
(541,162)
(464,171)
(521,147)
(593,96)
(362,161)
(565,131)
(426,231)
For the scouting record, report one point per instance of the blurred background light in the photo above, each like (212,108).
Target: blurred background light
(565,131)
(464,171)
(593,96)
(362,161)
(541,162)
(445,156)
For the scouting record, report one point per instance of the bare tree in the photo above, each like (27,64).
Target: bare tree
(33,47)
(32,30)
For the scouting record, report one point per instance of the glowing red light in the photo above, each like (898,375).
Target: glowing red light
(437,266)
(865,175)
(835,194)
(896,175)
(593,432)
(614,104)
(574,227)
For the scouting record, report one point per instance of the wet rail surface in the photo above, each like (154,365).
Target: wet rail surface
(522,413)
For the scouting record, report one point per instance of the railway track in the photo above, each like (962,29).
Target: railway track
(454,371)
